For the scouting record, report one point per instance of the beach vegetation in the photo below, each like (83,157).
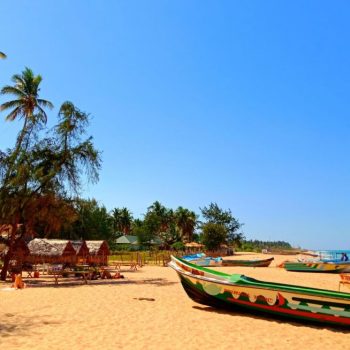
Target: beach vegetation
(186,221)
(258,246)
(122,220)
(213,235)
(215,215)
(45,165)
(178,246)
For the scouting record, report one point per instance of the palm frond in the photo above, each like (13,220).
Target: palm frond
(10,104)
(14,114)
(12,90)
(42,115)
(18,80)
(44,103)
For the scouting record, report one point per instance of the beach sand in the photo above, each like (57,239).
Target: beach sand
(150,310)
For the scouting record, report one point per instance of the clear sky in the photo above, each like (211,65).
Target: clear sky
(243,103)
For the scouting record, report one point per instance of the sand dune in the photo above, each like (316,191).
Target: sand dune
(150,310)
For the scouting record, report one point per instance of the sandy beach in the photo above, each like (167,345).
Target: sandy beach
(150,310)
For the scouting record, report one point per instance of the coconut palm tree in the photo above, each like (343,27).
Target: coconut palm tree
(27,103)
(163,215)
(186,221)
(122,220)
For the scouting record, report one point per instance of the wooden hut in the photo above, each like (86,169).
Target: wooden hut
(82,251)
(54,251)
(98,252)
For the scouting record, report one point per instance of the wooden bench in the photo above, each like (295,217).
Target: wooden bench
(57,271)
(344,279)
(132,265)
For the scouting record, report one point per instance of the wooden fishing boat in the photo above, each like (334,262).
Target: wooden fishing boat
(248,263)
(218,289)
(330,267)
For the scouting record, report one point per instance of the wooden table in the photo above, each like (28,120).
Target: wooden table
(60,273)
(132,265)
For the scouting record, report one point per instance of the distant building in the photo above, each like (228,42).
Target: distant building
(132,241)
(127,239)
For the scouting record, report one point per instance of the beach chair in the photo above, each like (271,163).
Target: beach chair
(344,279)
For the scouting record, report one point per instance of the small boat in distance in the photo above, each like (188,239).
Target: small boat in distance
(201,259)
(218,289)
(248,263)
(329,267)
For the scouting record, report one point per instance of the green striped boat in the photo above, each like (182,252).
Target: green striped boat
(316,266)
(248,263)
(218,289)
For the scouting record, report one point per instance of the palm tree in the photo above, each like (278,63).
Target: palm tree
(2,55)
(186,221)
(122,220)
(27,105)
(164,216)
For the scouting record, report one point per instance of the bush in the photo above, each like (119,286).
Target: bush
(213,235)
(178,246)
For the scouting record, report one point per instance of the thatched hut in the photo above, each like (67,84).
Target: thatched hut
(82,251)
(98,252)
(54,251)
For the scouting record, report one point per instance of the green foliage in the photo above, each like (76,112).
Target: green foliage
(196,238)
(94,222)
(214,214)
(122,218)
(178,246)
(257,246)
(171,235)
(186,221)
(145,233)
(213,235)
(38,170)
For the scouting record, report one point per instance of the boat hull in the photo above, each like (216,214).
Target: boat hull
(237,291)
(248,263)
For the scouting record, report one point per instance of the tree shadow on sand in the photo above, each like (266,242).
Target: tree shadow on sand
(76,283)
(274,319)
(19,324)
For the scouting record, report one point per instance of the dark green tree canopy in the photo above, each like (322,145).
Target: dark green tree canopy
(213,235)
(214,214)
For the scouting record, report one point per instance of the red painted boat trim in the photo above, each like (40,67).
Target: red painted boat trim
(311,315)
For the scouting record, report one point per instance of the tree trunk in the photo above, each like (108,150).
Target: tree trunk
(11,244)
(5,268)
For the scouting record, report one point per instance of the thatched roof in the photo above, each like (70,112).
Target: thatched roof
(194,245)
(80,247)
(77,245)
(21,248)
(127,239)
(49,247)
(98,247)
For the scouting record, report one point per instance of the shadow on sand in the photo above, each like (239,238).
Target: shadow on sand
(74,283)
(273,319)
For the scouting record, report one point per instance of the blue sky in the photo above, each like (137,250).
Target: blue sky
(241,103)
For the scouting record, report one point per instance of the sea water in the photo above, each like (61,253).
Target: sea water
(331,254)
